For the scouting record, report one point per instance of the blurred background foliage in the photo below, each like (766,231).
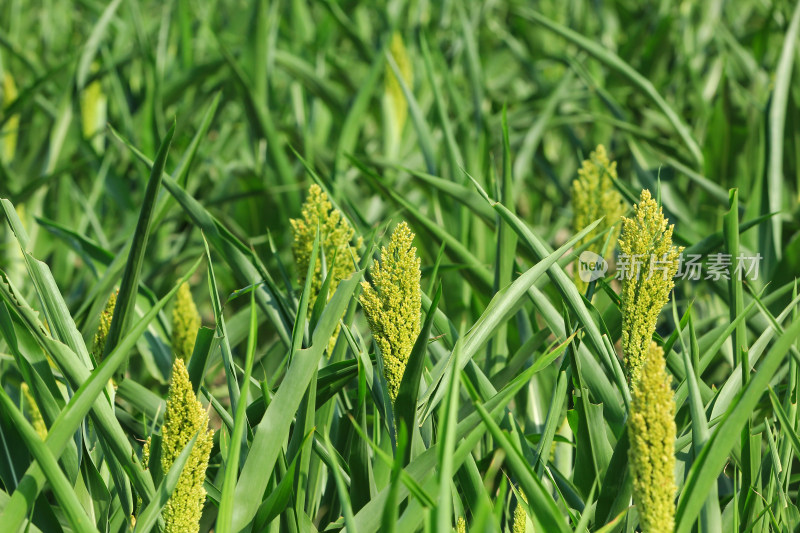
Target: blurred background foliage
(691,100)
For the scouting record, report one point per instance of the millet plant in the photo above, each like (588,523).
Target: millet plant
(300,266)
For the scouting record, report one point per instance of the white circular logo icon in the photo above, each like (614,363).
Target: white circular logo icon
(591,266)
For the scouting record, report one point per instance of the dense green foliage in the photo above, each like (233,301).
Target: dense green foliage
(144,145)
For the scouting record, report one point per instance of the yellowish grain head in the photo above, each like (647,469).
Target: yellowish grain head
(392,304)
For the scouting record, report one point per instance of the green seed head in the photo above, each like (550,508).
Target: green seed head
(99,344)
(392,305)
(395,97)
(8,139)
(461,525)
(594,196)
(93,111)
(520,516)
(146,466)
(335,237)
(185,323)
(146,452)
(646,245)
(183,418)
(651,454)
(33,410)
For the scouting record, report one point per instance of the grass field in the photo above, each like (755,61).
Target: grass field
(343,240)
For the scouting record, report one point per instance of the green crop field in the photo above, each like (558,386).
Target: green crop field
(298,266)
